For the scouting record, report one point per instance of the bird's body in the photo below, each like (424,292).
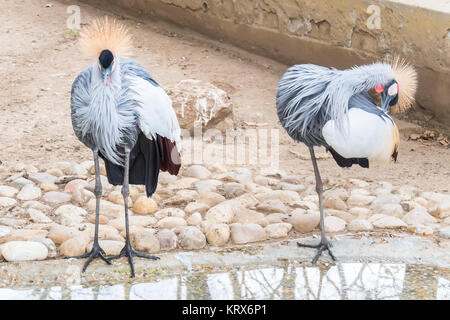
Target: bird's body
(332,108)
(120,112)
(133,112)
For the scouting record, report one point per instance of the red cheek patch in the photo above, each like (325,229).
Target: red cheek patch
(379,88)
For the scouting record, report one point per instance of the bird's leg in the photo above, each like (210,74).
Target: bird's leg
(324,243)
(96,251)
(127,250)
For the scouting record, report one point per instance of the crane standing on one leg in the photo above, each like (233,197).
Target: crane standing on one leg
(332,108)
(121,113)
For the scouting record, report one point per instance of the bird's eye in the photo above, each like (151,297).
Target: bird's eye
(379,88)
(393,90)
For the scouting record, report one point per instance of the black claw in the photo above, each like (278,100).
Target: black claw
(129,252)
(96,252)
(321,246)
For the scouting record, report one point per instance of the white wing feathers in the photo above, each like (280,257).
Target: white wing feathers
(365,135)
(156,115)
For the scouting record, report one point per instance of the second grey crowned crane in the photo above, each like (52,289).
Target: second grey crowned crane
(332,108)
(121,113)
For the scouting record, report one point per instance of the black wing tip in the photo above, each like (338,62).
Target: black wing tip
(348,162)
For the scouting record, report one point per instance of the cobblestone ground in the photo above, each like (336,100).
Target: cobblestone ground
(48,210)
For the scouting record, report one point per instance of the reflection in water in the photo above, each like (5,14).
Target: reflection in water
(342,281)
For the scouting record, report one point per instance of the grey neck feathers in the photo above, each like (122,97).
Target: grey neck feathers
(110,119)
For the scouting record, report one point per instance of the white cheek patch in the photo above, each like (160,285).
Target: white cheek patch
(393,90)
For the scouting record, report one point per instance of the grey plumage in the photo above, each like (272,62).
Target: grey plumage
(309,95)
(106,117)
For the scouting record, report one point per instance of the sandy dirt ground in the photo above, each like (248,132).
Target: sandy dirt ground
(39,59)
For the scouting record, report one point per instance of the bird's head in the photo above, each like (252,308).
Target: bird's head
(105,40)
(389,94)
(398,93)
(107,65)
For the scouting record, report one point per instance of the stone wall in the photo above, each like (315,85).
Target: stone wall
(338,33)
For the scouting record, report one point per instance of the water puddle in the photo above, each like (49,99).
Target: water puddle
(284,281)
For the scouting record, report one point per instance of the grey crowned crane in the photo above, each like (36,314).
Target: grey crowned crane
(333,108)
(121,113)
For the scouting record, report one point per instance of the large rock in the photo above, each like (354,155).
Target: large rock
(445,232)
(21,182)
(271,206)
(207,185)
(387,222)
(55,197)
(196,207)
(191,238)
(74,246)
(250,216)
(145,241)
(382,200)
(304,221)
(42,177)
(419,216)
(334,202)
(197,171)
(7,202)
(4,230)
(391,209)
(24,251)
(104,231)
(37,216)
(51,247)
(169,212)
(6,191)
(359,225)
(29,192)
(143,221)
(171,222)
(111,247)
(70,215)
(23,235)
(58,233)
(76,169)
(284,196)
(194,219)
(245,233)
(218,234)
(107,208)
(117,198)
(359,200)
(202,105)
(210,198)
(233,189)
(278,230)
(221,213)
(334,224)
(181,198)
(167,239)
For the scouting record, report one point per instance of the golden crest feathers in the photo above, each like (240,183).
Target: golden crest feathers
(406,77)
(105,33)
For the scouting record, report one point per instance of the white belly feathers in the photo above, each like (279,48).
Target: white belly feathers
(364,135)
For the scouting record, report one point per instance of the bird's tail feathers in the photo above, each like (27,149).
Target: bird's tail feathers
(105,34)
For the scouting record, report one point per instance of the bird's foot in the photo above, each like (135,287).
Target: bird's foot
(323,245)
(96,252)
(129,252)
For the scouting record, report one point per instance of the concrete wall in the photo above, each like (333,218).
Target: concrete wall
(338,33)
